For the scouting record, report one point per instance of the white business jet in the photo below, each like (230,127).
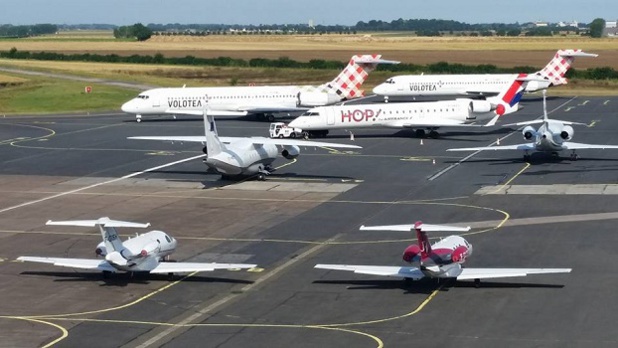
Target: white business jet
(478,84)
(443,259)
(552,136)
(259,100)
(144,253)
(242,156)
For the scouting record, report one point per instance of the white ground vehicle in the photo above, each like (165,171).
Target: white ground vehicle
(281,130)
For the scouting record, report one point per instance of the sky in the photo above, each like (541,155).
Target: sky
(325,12)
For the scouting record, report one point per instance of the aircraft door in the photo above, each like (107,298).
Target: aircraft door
(156,102)
(330,116)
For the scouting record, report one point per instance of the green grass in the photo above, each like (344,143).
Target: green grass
(38,96)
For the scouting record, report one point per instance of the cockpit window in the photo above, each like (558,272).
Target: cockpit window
(311,113)
(143,96)
(390,81)
(168,238)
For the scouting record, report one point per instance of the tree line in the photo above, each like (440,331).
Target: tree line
(17,31)
(601,73)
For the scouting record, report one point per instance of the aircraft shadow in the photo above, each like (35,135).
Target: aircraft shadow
(409,133)
(539,158)
(504,285)
(124,279)
(423,286)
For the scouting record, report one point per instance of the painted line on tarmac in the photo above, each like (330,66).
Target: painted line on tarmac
(454,165)
(98,184)
(501,187)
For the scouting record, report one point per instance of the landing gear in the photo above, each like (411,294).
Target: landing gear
(261,177)
(138,118)
(526,157)
(170,276)
(106,274)
(317,134)
(477,283)
(420,133)
(574,156)
(305,135)
(434,134)
(270,117)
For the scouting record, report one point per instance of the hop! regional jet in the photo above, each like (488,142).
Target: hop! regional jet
(260,100)
(144,253)
(478,84)
(462,112)
(443,259)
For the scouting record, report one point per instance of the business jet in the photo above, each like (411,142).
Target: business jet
(552,136)
(234,156)
(475,85)
(443,259)
(143,253)
(421,116)
(259,100)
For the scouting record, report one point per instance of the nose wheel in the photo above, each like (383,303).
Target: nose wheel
(574,156)
(138,118)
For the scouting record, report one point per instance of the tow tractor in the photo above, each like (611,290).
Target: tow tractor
(281,130)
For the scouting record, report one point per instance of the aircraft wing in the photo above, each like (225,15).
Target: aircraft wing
(188,139)
(188,267)
(567,145)
(497,148)
(92,264)
(385,271)
(291,142)
(238,110)
(489,273)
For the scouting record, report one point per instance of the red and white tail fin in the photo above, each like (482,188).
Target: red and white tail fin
(556,68)
(348,83)
(423,240)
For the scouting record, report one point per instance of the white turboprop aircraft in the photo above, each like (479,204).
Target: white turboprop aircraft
(144,253)
(478,84)
(260,100)
(443,259)
(234,156)
(552,136)
(418,115)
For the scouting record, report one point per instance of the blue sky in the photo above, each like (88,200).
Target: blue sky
(325,12)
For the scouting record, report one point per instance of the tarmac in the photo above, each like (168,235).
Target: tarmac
(550,213)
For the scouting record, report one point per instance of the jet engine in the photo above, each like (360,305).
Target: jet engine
(459,254)
(480,106)
(412,254)
(101,250)
(290,151)
(534,86)
(567,133)
(316,99)
(528,132)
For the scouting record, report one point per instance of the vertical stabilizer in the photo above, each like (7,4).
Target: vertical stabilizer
(423,240)
(508,100)
(347,85)
(214,146)
(555,70)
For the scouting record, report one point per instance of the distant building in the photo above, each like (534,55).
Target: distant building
(574,24)
(541,24)
(611,29)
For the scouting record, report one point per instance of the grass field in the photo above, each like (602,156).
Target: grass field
(40,95)
(421,50)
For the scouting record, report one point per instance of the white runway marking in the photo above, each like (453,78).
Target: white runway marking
(97,184)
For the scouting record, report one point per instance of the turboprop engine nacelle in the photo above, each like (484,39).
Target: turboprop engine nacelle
(528,132)
(316,98)
(412,254)
(480,106)
(290,151)
(567,133)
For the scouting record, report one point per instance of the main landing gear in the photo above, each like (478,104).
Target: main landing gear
(574,156)
(420,133)
(477,283)
(526,157)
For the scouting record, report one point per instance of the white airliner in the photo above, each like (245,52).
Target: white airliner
(478,84)
(260,100)
(443,259)
(418,115)
(233,156)
(144,253)
(552,136)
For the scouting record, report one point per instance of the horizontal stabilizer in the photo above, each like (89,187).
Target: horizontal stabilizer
(91,264)
(410,227)
(104,221)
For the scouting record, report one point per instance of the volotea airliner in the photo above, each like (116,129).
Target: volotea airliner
(477,85)
(143,253)
(443,259)
(259,100)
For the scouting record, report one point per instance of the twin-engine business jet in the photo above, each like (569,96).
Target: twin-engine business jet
(443,259)
(144,253)
(231,156)
(478,84)
(552,136)
(261,100)
(419,115)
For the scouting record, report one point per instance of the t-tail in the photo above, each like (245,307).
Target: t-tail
(347,85)
(555,70)
(423,240)
(106,226)
(214,146)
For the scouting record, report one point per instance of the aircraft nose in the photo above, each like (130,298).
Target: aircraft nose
(379,89)
(128,107)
